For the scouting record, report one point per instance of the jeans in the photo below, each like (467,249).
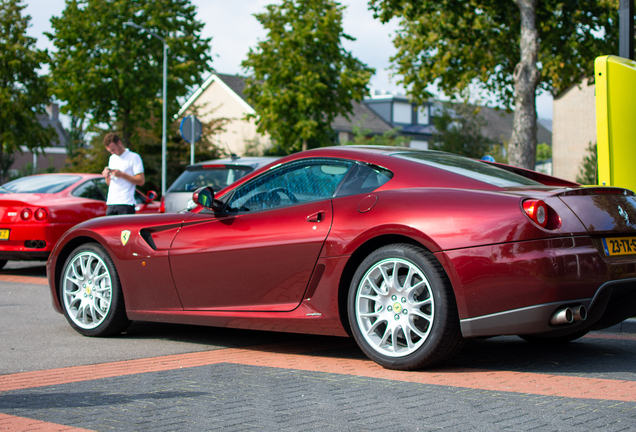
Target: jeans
(113,210)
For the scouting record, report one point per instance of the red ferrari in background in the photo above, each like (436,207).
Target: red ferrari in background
(409,251)
(36,210)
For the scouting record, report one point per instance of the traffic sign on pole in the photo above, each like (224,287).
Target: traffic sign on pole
(186,129)
(191,129)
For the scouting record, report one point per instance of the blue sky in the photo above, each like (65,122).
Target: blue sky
(234,29)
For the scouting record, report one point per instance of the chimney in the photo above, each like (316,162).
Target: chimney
(53,111)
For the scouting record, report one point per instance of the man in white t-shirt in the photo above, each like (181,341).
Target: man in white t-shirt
(124,172)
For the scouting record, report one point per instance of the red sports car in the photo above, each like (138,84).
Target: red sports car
(409,251)
(36,210)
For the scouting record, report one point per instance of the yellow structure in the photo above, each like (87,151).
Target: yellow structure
(616,121)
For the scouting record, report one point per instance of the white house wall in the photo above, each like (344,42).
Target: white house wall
(573,128)
(218,101)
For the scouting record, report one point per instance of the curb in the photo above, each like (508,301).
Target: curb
(627,326)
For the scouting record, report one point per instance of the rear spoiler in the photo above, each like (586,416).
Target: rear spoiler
(545,179)
(597,190)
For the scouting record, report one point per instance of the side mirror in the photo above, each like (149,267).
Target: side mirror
(204,197)
(151,195)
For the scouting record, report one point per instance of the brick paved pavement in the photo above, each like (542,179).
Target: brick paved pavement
(289,387)
(326,384)
(242,398)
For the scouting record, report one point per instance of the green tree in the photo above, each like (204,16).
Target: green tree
(76,138)
(510,48)
(23,92)
(544,152)
(6,161)
(392,137)
(92,157)
(301,75)
(111,75)
(459,130)
(588,173)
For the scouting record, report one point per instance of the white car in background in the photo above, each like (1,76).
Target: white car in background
(217,173)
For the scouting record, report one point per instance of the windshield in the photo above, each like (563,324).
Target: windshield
(39,184)
(218,178)
(468,167)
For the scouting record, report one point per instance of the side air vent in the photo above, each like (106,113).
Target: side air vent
(145,234)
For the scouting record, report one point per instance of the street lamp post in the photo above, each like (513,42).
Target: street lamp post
(165,102)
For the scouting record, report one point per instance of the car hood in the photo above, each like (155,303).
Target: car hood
(133,221)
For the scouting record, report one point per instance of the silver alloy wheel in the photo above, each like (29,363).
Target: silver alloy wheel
(87,290)
(394,307)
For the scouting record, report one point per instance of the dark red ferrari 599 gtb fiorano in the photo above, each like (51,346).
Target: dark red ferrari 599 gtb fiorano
(409,251)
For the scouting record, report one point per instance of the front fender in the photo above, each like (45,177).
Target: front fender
(142,260)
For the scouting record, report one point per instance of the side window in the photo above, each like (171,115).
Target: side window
(218,178)
(297,182)
(139,197)
(364,179)
(89,190)
(103,187)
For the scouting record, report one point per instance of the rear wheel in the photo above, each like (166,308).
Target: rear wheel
(402,309)
(91,295)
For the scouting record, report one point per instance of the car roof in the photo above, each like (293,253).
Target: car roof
(408,172)
(83,175)
(251,161)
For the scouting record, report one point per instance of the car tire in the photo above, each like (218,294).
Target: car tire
(90,292)
(406,325)
(546,340)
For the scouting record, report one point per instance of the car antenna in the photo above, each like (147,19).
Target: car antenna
(233,156)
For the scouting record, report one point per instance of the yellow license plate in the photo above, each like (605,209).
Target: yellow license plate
(619,246)
(4,234)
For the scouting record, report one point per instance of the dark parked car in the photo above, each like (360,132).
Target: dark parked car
(217,173)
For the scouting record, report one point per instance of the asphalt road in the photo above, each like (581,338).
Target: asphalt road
(35,337)
(174,377)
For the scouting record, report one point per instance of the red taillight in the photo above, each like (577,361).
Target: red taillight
(162,206)
(26,214)
(537,211)
(41,214)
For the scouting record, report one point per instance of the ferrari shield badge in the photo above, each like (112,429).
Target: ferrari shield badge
(125,235)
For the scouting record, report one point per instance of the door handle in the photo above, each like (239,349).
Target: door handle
(316,217)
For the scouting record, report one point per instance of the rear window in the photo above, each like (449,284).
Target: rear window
(39,184)
(470,168)
(218,178)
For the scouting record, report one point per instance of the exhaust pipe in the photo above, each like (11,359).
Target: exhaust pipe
(579,313)
(562,316)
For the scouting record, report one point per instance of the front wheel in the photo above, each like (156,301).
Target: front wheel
(91,295)
(402,309)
